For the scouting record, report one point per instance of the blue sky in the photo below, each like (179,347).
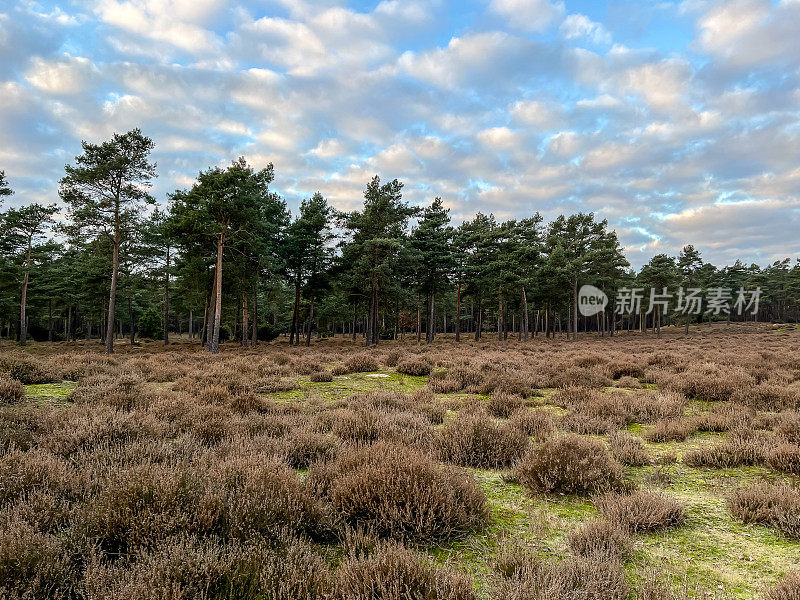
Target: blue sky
(679,121)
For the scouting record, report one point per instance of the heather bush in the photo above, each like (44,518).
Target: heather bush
(321,376)
(392,572)
(787,589)
(301,448)
(400,493)
(601,537)
(503,405)
(641,512)
(27,370)
(744,447)
(582,578)
(629,382)
(669,430)
(477,441)
(414,366)
(785,457)
(570,464)
(776,505)
(536,424)
(361,363)
(628,449)
(11,390)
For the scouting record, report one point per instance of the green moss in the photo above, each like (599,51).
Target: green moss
(54,393)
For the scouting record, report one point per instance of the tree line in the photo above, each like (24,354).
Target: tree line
(225,259)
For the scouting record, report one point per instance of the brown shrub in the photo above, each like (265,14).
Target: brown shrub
(11,390)
(186,567)
(583,578)
(787,589)
(641,512)
(321,376)
(669,430)
(537,424)
(710,382)
(502,405)
(575,377)
(768,396)
(744,447)
(776,505)
(361,363)
(788,427)
(398,492)
(477,441)
(27,370)
(302,448)
(629,383)
(416,366)
(628,449)
(785,457)
(392,572)
(570,464)
(601,537)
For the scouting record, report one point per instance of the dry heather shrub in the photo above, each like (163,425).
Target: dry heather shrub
(360,426)
(456,379)
(24,472)
(744,447)
(124,391)
(537,424)
(649,408)
(502,405)
(392,358)
(361,363)
(409,429)
(415,365)
(629,383)
(27,370)
(776,505)
(570,464)
(302,448)
(788,427)
(625,369)
(769,397)
(669,430)
(477,441)
(11,390)
(443,385)
(185,567)
(628,449)
(710,382)
(392,572)
(583,578)
(321,376)
(575,377)
(787,589)
(785,457)
(398,492)
(18,425)
(33,564)
(641,512)
(601,537)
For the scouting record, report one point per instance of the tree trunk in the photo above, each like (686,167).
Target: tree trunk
(245,322)
(431,324)
(166,302)
(458,309)
(112,296)
(23,318)
(479,324)
(500,313)
(191,324)
(254,338)
(295,312)
(575,309)
(214,346)
(524,314)
(419,318)
(50,320)
(310,321)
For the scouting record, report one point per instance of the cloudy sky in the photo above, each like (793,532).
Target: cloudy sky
(679,122)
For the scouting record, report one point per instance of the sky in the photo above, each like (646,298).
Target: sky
(678,122)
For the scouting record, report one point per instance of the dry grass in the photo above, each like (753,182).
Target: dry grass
(165,472)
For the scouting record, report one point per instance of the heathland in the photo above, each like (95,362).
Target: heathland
(624,467)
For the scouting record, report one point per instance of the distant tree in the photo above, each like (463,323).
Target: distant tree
(105,190)
(659,276)
(156,249)
(689,262)
(377,235)
(150,324)
(27,225)
(431,243)
(5,188)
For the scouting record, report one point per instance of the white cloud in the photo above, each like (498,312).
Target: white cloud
(67,75)
(579,26)
(529,15)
